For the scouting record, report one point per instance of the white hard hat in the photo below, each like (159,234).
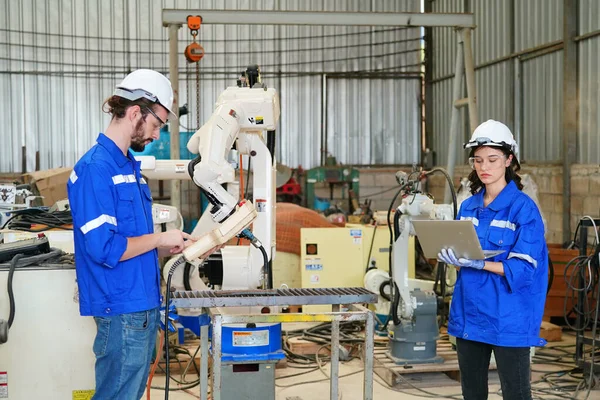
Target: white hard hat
(150,85)
(494,133)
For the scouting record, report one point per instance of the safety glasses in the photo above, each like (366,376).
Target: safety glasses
(493,162)
(162,123)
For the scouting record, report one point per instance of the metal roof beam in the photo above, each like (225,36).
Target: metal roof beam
(259,17)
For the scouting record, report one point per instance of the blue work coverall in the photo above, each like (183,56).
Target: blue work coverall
(503,310)
(110,202)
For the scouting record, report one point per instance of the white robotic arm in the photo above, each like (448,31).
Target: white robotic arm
(213,141)
(247,112)
(239,109)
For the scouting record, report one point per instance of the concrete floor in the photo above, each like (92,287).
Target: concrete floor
(351,386)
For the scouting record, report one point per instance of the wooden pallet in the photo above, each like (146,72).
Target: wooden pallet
(423,375)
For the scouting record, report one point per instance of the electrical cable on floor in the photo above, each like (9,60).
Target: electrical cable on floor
(578,281)
(426,393)
(558,386)
(320,367)
(183,382)
(565,383)
(317,380)
(591,380)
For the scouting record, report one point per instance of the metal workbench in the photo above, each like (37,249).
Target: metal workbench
(210,301)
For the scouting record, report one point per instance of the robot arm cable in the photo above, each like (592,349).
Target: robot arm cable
(450,184)
(268,276)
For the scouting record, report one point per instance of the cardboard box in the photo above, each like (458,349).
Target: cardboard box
(51,184)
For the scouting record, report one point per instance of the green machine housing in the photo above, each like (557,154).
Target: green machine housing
(334,175)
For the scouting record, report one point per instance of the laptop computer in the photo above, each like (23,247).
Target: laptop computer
(460,236)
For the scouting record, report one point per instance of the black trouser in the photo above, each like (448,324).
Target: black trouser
(513,369)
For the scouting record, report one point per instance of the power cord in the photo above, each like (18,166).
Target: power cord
(591,378)
(23,220)
(21,261)
(179,261)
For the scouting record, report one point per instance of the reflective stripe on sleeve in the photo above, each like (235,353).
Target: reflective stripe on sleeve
(98,222)
(525,257)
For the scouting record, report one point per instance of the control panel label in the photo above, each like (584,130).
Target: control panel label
(314,267)
(355,233)
(250,338)
(356,236)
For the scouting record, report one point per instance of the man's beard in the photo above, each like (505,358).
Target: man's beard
(138,143)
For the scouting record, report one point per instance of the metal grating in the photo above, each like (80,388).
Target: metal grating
(273,297)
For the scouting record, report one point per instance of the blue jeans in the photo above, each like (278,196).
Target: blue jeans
(123,347)
(513,365)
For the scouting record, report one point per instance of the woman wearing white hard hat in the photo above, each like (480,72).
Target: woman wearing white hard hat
(498,303)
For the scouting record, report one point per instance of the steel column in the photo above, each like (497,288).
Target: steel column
(569,116)
(456,95)
(174,126)
(518,101)
(470,78)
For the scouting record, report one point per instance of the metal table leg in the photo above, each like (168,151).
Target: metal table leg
(335,354)
(217,324)
(204,362)
(369,355)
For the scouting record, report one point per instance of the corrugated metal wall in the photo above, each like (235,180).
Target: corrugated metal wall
(589,83)
(443,59)
(59,59)
(537,23)
(505,27)
(378,128)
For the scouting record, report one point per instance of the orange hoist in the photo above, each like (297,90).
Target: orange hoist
(194,51)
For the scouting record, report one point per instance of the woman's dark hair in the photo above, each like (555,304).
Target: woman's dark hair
(510,174)
(117,106)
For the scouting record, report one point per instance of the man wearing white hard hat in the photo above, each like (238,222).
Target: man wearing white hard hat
(498,303)
(116,249)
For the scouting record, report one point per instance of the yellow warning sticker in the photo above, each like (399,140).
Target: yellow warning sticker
(83,394)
